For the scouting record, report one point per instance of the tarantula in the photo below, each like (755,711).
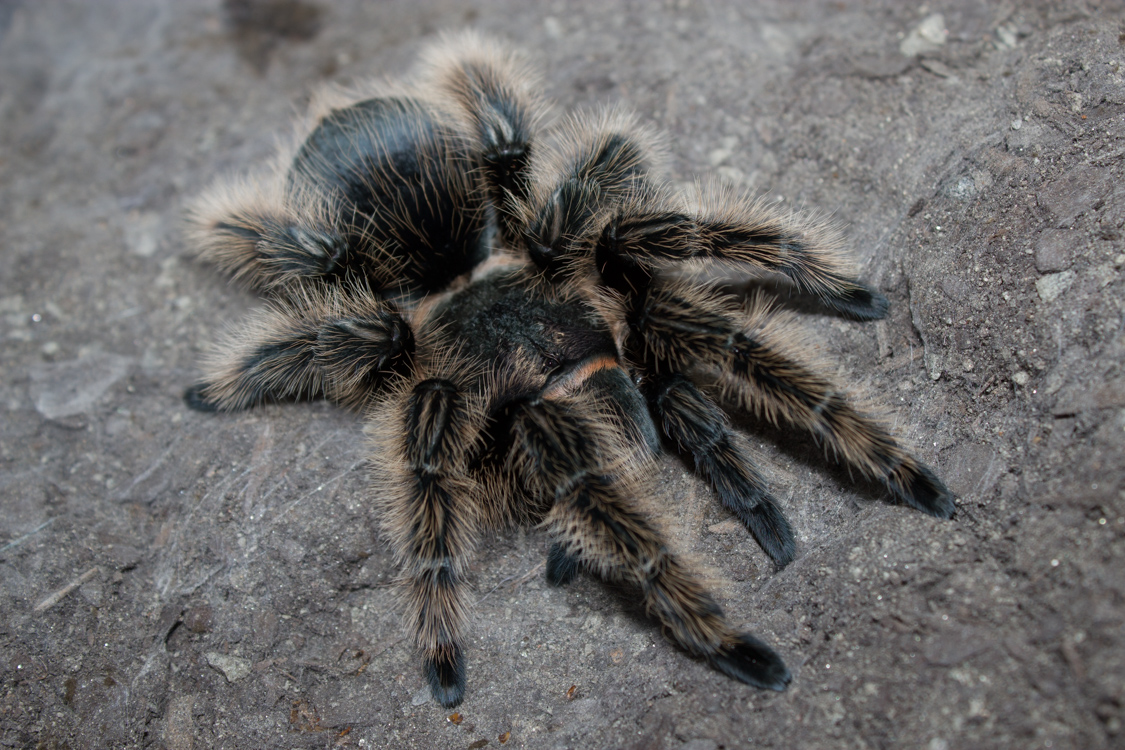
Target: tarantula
(507,305)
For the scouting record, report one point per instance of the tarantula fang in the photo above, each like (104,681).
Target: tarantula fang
(504,303)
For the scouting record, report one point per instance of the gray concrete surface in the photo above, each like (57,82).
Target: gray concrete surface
(177,580)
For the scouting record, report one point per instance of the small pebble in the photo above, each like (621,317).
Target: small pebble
(1052,285)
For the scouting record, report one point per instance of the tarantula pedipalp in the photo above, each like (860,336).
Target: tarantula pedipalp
(503,303)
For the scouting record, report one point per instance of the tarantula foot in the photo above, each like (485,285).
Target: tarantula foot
(444,668)
(561,566)
(925,492)
(750,661)
(861,303)
(772,531)
(195,399)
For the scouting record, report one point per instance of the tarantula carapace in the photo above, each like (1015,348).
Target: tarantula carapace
(508,305)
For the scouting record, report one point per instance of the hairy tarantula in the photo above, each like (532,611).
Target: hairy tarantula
(507,305)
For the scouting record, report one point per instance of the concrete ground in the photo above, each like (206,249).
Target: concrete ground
(174,579)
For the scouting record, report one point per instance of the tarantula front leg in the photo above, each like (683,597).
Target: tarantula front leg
(562,565)
(422,482)
(265,238)
(560,456)
(492,89)
(598,160)
(683,327)
(337,342)
(700,428)
(651,229)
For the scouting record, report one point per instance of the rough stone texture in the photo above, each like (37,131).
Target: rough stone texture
(159,542)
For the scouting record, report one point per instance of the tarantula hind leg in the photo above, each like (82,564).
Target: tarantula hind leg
(562,566)
(558,455)
(264,240)
(333,342)
(651,229)
(758,359)
(698,427)
(492,90)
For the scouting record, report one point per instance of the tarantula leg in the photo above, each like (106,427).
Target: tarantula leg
(779,386)
(559,457)
(601,159)
(266,242)
(700,428)
(357,352)
(562,566)
(335,342)
(761,369)
(270,359)
(492,90)
(650,229)
(422,482)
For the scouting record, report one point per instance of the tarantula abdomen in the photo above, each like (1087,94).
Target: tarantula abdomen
(403,183)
